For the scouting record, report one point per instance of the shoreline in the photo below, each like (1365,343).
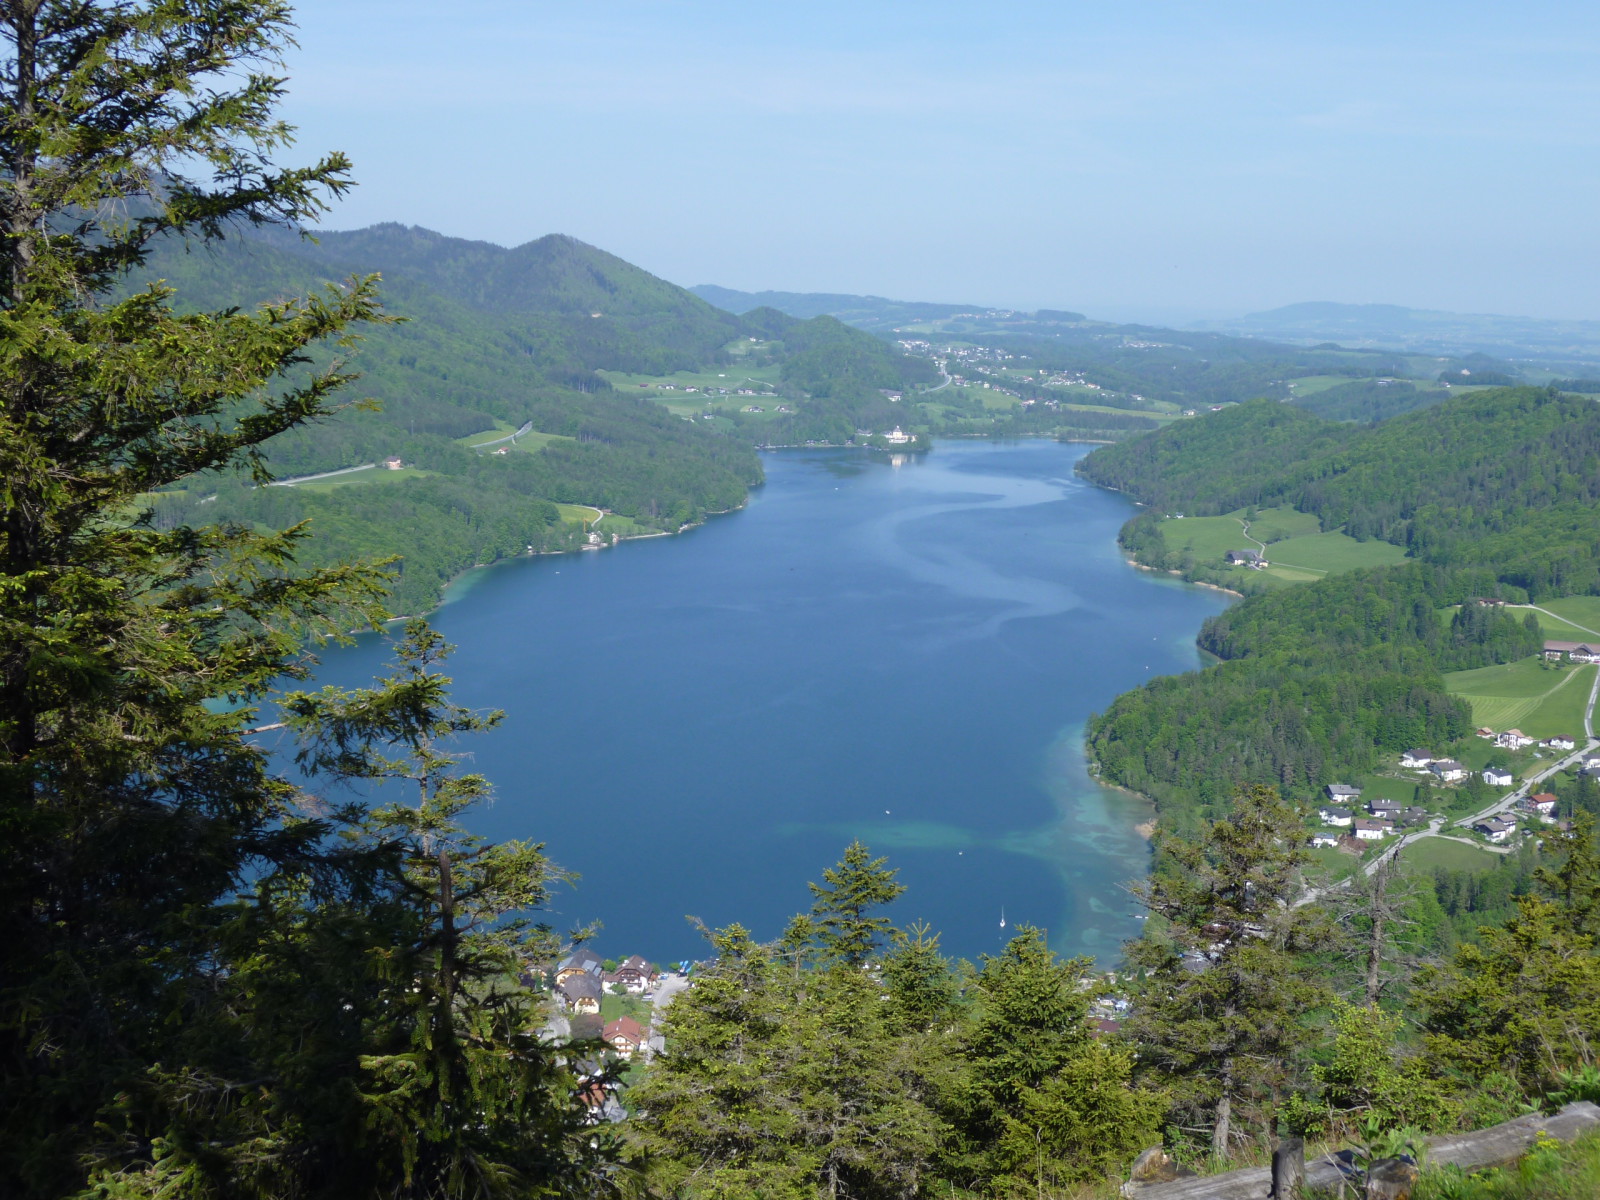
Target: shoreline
(444,592)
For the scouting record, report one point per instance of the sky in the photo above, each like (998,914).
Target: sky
(1132,159)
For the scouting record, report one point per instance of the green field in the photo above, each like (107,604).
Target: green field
(579,512)
(1578,611)
(1425,854)
(370,475)
(1527,694)
(1205,537)
(1330,553)
(1312,384)
(1276,524)
(529,443)
(759,379)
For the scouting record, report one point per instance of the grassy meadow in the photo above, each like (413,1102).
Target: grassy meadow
(1527,694)
(1425,854)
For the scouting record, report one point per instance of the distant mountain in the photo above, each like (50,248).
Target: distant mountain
(873,313)
(1393,326)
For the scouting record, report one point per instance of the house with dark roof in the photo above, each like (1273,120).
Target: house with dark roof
(1448,770)
(1497,777)
(1343,793)
(1333,814)
(1496,829)
(634,975)
(579,962)
(1416,759)
(1245,558)
(580,992)
(1370,829)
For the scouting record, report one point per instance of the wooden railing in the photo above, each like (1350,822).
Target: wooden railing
(1335,1175)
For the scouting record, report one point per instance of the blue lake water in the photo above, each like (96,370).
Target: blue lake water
(903,651)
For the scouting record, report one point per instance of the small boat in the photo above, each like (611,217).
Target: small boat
(1002,916)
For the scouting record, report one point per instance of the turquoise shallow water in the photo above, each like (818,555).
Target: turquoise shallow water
(904,651)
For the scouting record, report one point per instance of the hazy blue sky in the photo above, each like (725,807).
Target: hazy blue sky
(1125,158)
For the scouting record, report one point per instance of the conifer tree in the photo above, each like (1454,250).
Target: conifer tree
(1042,1103)
(204,988)
(851,889)
(1220,988)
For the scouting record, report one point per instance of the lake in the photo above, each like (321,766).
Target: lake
(899,650)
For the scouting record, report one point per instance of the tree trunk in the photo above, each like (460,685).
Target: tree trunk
(1219,1135)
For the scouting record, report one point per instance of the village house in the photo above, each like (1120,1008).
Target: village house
(1448,770)
(1591,760)
(1332,814)
(1319,840)
(1581,652)
(580,993)
(1387,809)
(579,962)
(1414,815)
(1245,558)
(1497,777)
(624,1036)
(1372,830)
(1484,731)
(896,438)
(1512,739)
(393,462)
(635,975)
(1416,760)
(1496,829)
(1343,793)
(1560,741)
(1544,804)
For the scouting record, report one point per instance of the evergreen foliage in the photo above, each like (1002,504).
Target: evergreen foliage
(212,981)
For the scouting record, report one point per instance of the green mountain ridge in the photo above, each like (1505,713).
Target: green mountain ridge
(1493,494)
(496,338)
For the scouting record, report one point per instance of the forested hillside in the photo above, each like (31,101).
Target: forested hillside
(492,341)
(1495,494)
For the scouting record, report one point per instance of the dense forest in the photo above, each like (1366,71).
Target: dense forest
(1493,493)
(493,338)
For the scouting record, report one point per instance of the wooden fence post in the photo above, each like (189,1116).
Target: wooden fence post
(1288,1169)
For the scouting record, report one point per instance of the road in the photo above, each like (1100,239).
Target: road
(294,479)
(939,362)
(510,437)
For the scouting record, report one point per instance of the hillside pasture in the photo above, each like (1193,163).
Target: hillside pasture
(1207,538)
(1529,695)
(1272,525)
(1582,611)
(1427,854)
(1330,553)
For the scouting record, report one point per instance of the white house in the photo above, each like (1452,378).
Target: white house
(1584,652)
(393,462)
(1384,808)
(1371,830)
(1544,803)
(896,438)
(1448,770)
(1416,759)
(1561,741)
(1512,739)
(1323,839)
(1343,793)
(1497,777)
(1333,814)
(1495,829)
